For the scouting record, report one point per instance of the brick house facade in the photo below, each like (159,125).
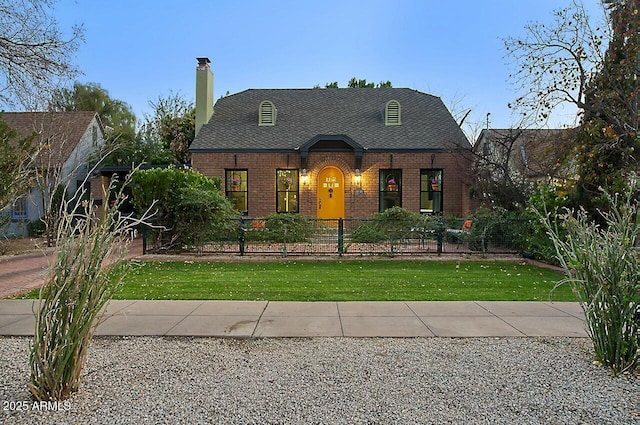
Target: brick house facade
(331,153)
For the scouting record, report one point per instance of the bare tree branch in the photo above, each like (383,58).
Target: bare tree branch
(556,63)
(34,53)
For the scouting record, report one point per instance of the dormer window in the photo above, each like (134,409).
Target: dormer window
(392,113)
(267,114)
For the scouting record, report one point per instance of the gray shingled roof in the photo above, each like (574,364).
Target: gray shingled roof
(303,114)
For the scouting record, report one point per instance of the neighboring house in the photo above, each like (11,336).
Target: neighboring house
(331,153)
(533,154)
(65,140)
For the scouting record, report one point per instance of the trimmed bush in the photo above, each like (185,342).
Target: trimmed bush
(394,225)
(36,228)
(190,208)
(281,228)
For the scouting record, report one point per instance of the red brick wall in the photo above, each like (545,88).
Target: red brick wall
(262,166)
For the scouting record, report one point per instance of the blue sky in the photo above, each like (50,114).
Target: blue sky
(140,50)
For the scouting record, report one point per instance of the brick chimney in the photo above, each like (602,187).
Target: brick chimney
(204,93)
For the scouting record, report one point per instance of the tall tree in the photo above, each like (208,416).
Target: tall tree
(115,114)
(609,143)
(363,84)
(123,145)
(173,125)
(34,54)
(592,68)
(355,83)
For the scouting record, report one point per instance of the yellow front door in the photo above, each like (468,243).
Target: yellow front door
(330,193)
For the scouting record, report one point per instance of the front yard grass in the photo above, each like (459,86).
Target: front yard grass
(350,280)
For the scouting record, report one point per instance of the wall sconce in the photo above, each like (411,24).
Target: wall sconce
(357,177)
(304,177)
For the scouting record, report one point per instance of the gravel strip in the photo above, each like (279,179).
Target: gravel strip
(153,380)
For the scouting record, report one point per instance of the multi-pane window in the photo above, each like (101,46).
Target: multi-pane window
(390,189)
(431,191)
(19,208)
(236,189)
(287,193)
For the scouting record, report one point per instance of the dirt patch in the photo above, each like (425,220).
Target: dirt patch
(17,246)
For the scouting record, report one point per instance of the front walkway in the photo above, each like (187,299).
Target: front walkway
(22,273)
(256,319)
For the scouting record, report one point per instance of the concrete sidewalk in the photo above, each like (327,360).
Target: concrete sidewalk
(256,319)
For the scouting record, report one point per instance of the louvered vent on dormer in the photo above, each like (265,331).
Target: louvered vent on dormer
(392,113)
(267,114)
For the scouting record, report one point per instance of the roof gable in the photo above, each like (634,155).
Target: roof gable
(58,132)
(355,113)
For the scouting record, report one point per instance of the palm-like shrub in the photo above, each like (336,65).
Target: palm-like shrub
(602,264)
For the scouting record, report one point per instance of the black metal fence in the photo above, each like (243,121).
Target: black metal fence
(309,236)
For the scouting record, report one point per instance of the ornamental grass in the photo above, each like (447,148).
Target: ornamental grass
(88,269)
(602,265)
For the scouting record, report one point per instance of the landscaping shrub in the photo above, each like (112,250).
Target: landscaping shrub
(282,228)
(87,271)
(552,198)
(367,232)
(392,226)
(36,228)
(602,264)
(190,208)
(202,216)
(498,228)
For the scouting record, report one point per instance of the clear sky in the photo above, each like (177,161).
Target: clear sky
(139,50)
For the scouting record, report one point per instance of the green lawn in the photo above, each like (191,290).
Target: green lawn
(349,280)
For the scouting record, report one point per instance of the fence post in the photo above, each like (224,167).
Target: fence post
(441,229)
(144,239)
(241,236)
(340,236)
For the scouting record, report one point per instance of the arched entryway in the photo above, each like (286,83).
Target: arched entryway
(330,202)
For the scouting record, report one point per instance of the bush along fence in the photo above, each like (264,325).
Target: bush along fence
(393,233)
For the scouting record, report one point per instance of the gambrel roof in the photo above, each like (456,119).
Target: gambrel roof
(303,115)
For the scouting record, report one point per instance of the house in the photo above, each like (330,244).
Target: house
(534,154)
(331,153)
(65,141)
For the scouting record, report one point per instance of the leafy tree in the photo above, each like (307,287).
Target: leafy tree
(357,83)
(16,172)
(608,143)
(172,125)
(190,208)
(34,55)
(133,152)
(115,114)
(123,145)
(566,62)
